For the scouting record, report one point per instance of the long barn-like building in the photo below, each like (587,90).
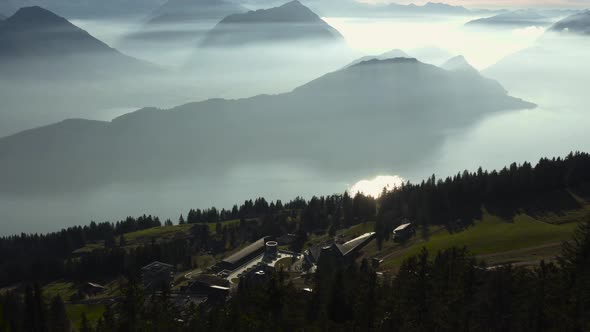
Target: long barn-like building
(245,255)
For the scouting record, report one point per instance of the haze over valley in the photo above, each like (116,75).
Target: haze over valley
(166,106)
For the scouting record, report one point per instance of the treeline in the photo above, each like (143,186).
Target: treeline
(445,291)
(33,313)
(453,202)
(250,209)
(23,256)
(458,200)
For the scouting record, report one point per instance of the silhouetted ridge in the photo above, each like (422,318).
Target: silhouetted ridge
(577,23)
(459,63)
(36,16)
(293,11)
(291,21)
(386,61)
(393,97)
(34,31)
(35,42)
(524,17)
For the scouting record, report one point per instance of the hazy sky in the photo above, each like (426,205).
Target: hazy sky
(500,3)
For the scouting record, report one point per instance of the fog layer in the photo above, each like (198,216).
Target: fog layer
(491,139)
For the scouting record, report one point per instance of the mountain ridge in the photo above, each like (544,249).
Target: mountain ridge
(393,98)
(513,18)
(41,39)
(577,24)
(293,21)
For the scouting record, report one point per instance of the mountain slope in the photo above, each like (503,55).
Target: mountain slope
(555,68)
(37,42)
(513,19)
(370,115)
(86,9)
(289,22)
(392,54)
(575,24)
(459,63)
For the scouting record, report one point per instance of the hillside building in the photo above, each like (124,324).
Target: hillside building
(156,276)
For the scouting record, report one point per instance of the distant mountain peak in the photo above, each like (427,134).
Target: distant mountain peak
(288,22)
(387,61)
(294,3)
(459,63)
(293,11)
(440,4)
(440,7)
(46,43)
(35,31)
(36,16)
(395,53)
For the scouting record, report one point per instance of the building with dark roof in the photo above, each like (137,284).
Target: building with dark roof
(338,250)
(157,275)
(356,244)
(403,232)
(92,289)
(245,255)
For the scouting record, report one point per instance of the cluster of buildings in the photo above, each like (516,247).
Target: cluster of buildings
(256,262)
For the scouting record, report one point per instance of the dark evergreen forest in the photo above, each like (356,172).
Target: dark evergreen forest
(434,291)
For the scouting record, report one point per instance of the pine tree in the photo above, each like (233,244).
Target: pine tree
(58,320)
(84,324)
(122,241)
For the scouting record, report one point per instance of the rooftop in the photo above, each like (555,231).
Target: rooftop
(356,243)
(402,227)
(157,266)
(252,248)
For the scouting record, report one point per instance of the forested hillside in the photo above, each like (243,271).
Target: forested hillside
(447,289)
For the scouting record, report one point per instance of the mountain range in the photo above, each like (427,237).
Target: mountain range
(431,55)
(86,9)
(51,70)
(575,24)
(428,8)
(395,53)
(290,22)
(555,65)
(377,112)
(353,8)
(517,18)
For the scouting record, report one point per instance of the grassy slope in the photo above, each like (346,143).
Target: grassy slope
(492,236)
(93,313)
(163,233)
(64,289)
(342,235)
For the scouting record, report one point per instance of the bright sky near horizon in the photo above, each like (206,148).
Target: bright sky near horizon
(498,3)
